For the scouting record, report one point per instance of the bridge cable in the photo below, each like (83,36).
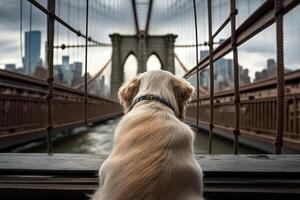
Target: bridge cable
(57,32)
(21,29)
(278,142)
(68,20)
(236,131)
(197,61)
(86,59)
(78,27)
(29,45)
(50,79)
(211,78)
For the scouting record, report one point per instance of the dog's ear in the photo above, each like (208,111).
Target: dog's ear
(183,91)
(128,91)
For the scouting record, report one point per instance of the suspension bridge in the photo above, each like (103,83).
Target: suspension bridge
(208,42)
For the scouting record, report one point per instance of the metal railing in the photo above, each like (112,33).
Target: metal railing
(271,11)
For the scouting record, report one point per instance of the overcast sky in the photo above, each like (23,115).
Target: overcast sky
(169,16)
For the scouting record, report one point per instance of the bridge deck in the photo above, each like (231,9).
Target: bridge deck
(66,176)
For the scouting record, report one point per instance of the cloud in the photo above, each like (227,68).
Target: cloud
(107,17)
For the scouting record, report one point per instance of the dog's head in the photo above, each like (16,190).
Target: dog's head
(161,83)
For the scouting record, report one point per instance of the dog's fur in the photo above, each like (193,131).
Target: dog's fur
(152,158)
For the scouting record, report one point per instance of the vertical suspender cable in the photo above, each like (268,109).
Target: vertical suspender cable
(68,20)
(278,143)
(236,131)
(29,42)
(211,78)
(21,29)
(50,39)
(78,27)
(86,59)
(197,61)
(57,31)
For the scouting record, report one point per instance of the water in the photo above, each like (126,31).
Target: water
(99,139)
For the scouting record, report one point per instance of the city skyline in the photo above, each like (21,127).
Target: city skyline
(252,55)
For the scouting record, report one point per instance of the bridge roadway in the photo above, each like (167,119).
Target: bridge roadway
(24,108)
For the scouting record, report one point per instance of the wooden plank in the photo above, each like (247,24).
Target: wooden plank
(89,164)
(249,164)
(74,176)
(23,163)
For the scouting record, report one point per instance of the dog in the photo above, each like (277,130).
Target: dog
(152,158)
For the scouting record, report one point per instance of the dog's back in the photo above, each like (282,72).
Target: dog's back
(152,159)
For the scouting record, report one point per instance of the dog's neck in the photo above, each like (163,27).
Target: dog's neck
(150,97)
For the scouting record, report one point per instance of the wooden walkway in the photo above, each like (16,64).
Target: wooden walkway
(74,176)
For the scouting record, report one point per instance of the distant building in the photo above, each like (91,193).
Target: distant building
(65,60)
(269,72)
(32,51)
(223,74)
(40,72)
(20,70)
(204,78)
(57,73)
(10,67)
(77,71)
(203,54)
(271,67)
(66,70)
(244,76)
(98,87)
(67,73)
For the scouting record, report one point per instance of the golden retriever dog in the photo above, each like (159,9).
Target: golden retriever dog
(152,158)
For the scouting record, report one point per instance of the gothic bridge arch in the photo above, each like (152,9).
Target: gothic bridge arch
(142,47)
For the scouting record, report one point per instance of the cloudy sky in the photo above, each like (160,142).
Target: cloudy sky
(169,16)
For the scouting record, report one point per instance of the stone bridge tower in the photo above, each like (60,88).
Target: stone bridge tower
(142,46)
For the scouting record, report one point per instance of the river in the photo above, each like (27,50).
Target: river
(99,139)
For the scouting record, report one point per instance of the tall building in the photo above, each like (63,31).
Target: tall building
(244,75)
(98,87)
(57,73)
(10,67)
(77,71)
(66,70)
(269,72)
(204,78)
(271,67)
(223,74)
(32,51)
(65,61)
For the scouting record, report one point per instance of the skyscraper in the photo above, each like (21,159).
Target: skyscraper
(32,51)
(271,67)
(77,71)
(66,70)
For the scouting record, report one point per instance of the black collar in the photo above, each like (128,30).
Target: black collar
(153,98)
